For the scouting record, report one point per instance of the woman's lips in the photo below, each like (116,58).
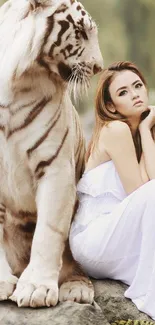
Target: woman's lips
(138,102)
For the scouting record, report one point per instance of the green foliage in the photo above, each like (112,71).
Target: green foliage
(1,2)
(133,322)
(138,19)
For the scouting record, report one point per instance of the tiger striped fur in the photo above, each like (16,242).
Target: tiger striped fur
(46,47)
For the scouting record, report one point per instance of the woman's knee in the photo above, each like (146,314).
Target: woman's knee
(147,203)
(147,192)
(150,184)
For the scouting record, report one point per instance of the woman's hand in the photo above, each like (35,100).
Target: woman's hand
(149,121)
(147,141)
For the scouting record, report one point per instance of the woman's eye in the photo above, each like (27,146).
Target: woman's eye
(138,85)
(122,93)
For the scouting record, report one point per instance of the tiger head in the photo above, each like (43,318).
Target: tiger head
(57,36)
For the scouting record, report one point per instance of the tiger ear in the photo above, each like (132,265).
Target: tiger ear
(34,3)
(37,3)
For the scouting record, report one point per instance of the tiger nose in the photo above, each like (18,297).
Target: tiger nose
(97,69)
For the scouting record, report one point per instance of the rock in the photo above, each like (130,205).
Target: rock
(110,305)
(67,313)
(109,295)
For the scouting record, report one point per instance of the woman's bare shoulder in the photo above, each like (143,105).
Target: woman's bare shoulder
(115,127)
(116,132)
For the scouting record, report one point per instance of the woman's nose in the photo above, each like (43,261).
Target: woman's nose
(134,94)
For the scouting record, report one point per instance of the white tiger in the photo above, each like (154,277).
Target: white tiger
(44,46)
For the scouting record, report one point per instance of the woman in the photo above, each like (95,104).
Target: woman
(113,234)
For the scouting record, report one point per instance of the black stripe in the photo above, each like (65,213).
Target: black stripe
(64,27)
(29,227)
(23,106)
(2,210)
(76,29)
(79,8)
(62,8)
(44,136)
(50,26)
(74,53)
(31,116)
(26,214)
(41,174)
(68,48)
(81,23)
(81,52)
(45,163)
(2,128)
(83,13)
(70,19)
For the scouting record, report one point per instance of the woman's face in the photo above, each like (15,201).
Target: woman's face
(129,94)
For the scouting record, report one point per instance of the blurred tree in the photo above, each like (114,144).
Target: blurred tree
(1,2)
(139,22)
(112,36)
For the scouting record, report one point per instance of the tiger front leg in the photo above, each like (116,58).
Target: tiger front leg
(38,284)
(7,279)
(74,284)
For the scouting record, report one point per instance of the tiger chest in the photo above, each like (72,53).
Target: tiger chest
(29,144)
(16,182)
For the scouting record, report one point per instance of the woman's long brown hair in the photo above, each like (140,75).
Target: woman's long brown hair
(103,99)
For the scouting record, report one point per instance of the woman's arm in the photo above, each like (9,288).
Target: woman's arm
(116,138)
(143,171)
(148,145)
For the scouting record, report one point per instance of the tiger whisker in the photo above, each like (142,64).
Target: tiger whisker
(78,83)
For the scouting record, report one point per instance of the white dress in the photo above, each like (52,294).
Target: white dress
(113,235)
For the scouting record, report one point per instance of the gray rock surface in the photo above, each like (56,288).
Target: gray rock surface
(110,297)
(110,305)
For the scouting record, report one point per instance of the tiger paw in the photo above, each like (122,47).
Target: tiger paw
(35,290)
(79,291)
(7,286)
(34,296)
